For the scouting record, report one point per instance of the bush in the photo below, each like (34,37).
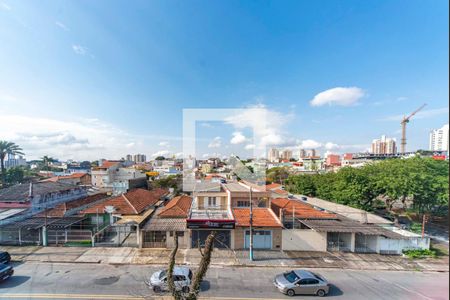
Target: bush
(416,227)
(419,253)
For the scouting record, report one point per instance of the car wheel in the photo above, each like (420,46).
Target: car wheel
(321,293)
(290,293)
(185,289)
(157,289)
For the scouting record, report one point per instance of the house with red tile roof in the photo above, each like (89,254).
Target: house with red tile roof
(267,229)
(74,179)
(168,220)
(73,207)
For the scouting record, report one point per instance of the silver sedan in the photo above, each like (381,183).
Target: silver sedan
(301,282)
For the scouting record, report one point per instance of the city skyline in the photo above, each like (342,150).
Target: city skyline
(333,84)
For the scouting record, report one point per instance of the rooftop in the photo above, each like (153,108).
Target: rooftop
(164,224)
(130,203)
(346,225)
(178,207)
(61,209)
(300,209)
(262,217)
(349,212)
(210,215)
(21,192)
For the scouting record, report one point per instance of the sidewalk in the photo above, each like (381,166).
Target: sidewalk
(239,258)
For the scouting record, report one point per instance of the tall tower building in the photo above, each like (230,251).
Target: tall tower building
(273,155)
(286,154)
(439,139)
(384,145)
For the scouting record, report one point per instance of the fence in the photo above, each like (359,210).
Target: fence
(116,236)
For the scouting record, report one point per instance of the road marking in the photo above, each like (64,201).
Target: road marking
(110,297)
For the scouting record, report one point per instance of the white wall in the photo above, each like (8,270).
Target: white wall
(303,240)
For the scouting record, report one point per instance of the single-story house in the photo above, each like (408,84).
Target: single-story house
(267,229)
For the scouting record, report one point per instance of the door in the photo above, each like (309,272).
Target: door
(262,239)
(307,286)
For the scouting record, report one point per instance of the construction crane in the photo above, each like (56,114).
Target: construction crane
(404,122)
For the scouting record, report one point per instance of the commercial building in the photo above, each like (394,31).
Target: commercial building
(439,139)
(384,145)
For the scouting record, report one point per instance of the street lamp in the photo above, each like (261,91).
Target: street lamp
(251,226)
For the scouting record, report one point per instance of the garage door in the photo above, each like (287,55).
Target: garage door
(262,239)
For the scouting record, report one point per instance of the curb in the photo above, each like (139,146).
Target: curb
(237,266)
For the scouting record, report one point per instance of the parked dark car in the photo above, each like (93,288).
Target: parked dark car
(4,257)
(6,271)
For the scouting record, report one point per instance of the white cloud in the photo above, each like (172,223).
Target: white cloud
(238,138)
(179,155)
(81,50)
(163,144)
(343,96)
(331,146)
(310,144)
(267,125)
(402,98)
(160,153)
(216,142)
(62,26)
(75,139)
(420,115)
(130,145)
(249,147)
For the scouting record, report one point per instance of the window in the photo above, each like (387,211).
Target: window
(212,201)
(243,204)
(308,281)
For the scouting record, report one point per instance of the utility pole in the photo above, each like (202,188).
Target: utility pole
(251,226)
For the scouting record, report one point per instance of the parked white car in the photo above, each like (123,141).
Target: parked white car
(182,277)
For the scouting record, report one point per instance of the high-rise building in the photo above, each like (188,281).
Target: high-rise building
(439,139)
(12,161)
(274,155)
(384,145)
(129,157)
(311,153)
(139,158)
(286,154)
(302,153)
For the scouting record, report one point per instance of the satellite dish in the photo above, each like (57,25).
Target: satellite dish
(110,209)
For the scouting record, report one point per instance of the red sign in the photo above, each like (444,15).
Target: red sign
(439,157)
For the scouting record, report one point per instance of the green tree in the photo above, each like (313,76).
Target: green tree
(14,175)
(5,149)
(46,161)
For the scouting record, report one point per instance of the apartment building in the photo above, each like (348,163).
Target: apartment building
(439,139)
(384,145)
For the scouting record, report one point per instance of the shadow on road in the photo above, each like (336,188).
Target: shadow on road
(14,281)
(204,286)
(334,291)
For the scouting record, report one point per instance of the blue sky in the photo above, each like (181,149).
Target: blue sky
(91,79)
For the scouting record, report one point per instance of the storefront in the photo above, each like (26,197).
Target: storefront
(200,229)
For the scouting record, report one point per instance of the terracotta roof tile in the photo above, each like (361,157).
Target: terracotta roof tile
(262,217)
(61,209)
(178,207)
(273,186)
(301,210)
(280,192)
(130,203)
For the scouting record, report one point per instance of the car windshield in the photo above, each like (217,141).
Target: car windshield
(291,277)
(162,274)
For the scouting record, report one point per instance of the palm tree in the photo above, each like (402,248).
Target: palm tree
(7,148)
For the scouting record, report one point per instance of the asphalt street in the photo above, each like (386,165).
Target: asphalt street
(102,281)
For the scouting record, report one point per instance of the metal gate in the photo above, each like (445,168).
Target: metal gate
(262,239)
(222,240)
